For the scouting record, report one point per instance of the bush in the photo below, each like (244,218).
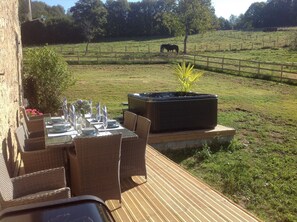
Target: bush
(46,76)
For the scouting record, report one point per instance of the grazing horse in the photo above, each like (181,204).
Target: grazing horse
(169,48)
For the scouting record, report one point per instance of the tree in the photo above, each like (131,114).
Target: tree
(91,15)
(39,10)
(42,10)
(254,15)
(117,18)
(224,24)
(196,16)
(165,18)
(233,20)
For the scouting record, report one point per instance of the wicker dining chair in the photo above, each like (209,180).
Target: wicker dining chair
(31,188)
(35,155)
(34,126)
(133,151)
(95,166)
(130,120)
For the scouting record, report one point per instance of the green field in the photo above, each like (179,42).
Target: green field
(210,41)
(259,169)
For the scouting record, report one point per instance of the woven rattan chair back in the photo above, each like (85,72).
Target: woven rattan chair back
(95,166)
(35,155)
(130,120)
(143,127)
(133,152)
(30,188)
(6,187)
(21,137)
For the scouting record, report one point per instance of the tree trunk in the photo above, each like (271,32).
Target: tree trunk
(87,48)
(185,43)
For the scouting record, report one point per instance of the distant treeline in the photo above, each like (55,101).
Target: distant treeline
(145,18)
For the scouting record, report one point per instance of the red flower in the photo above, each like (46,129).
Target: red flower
(33,112)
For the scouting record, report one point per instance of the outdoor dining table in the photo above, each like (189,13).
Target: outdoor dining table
(65,139)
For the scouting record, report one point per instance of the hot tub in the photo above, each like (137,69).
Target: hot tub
(175,111)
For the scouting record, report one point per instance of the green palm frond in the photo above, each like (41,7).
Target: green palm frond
(186,76)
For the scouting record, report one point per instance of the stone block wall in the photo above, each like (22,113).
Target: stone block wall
(10,79)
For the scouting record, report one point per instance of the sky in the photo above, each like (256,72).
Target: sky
(223,8)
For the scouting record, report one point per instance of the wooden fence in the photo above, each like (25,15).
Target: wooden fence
(192,47)
(266,70)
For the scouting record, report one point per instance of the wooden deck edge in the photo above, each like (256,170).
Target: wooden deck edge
(152,149)
(218,131)
(191,138)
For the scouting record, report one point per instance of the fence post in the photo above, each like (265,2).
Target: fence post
(223,60)
(125,48)
(207,62)
(259,65)
(78,58)
(239,66)
(97,58)
(282,68)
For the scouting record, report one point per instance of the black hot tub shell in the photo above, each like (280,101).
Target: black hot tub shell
(176,111)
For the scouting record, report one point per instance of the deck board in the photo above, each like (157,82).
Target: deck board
(172,194)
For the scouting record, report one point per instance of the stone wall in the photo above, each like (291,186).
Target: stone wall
(10,79)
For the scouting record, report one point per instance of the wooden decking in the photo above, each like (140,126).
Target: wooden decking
(172,194)
(190,138)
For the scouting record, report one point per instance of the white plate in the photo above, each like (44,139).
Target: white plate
(57,120)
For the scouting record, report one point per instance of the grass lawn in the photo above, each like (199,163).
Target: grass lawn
(258,170)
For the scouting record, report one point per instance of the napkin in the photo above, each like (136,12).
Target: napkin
(72,115)
(65,109)
(98,112)
(104,111)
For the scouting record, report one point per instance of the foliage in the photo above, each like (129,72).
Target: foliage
(117,18)
(196,16)
(273,13)
(120,18)
(186,76)
(83,106)
(46,77)
(204,154)
(52,31)
(40,10)
(90,15)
